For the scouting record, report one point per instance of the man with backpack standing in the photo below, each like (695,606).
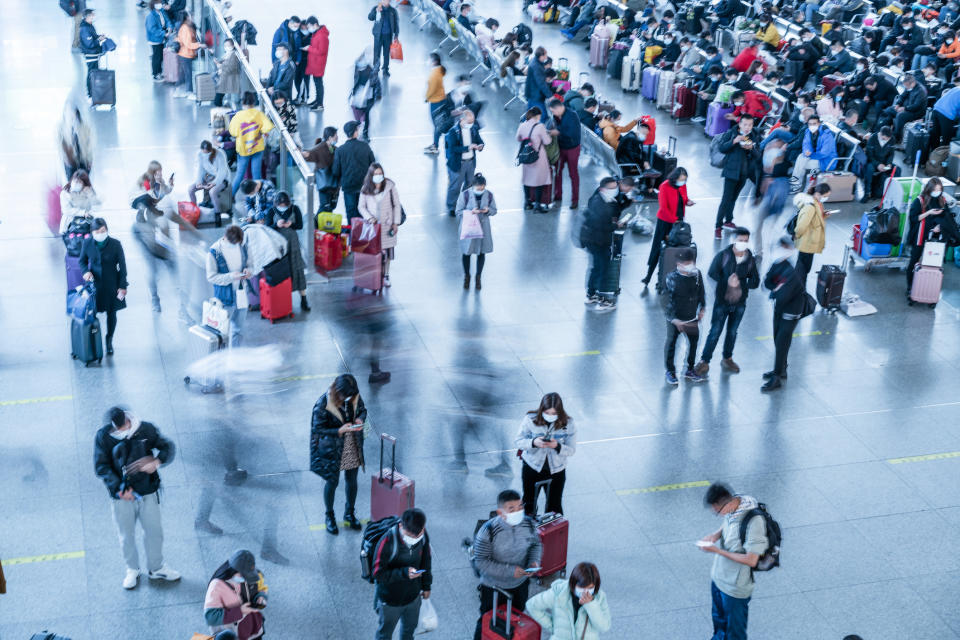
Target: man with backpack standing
(739,545)
(402,572)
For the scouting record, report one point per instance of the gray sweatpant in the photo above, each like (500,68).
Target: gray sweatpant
(408,616)
(459,181)
(125,516)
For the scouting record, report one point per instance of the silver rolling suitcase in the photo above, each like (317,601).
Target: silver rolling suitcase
(202,342)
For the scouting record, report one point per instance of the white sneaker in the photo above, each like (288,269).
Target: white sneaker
(178,94)
(604,306)
(190,96)
(164,573)
(130,580)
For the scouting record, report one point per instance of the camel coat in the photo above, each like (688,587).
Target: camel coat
(386,212)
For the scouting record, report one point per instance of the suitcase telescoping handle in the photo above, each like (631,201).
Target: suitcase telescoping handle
(393,458)
(495,618)
(671,147)
(536,492)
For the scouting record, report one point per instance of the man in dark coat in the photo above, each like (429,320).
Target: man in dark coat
(741,146)
(908,106)
(386,29)
(789,298)
(878,94)
(350,163)
(103,262)
(288,35)
(462,143)
(535,89)
(596,236)
(879,163)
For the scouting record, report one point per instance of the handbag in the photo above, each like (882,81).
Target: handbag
(365,236)
(403,214)
(396,51)
(241,299)
(809,305)
(428,617)
(215,316)
(471,228)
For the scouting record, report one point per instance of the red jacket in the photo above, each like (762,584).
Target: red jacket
(668,201)
(756,103)
(745,58)
(317,54)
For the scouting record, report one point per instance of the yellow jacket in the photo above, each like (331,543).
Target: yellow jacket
(435,90)
(250,127)
(188,42)
(811,231)
(770,35)
(612,132)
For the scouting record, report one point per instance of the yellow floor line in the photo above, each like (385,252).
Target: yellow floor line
(50,557)
(10,403)
(664,487)
(313,376)
(929,456)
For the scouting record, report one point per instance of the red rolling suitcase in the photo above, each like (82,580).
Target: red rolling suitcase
(554,531)
(368,272)
(276,302)
(684,102)
(497,625)
(391,493)
(327,251)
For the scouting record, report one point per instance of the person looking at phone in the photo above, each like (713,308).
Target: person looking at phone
(810,235)
(127,455)
(507,553)
(336,444)
(545,441)
(401,569)
(228,271)
(236,596)
(929,219)
(686,306)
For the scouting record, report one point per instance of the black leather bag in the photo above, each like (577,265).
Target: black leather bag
(277,271)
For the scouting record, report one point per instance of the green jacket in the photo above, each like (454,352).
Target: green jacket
(553,610)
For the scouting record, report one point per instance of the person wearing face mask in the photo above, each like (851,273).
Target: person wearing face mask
(189,46)
(283,73)
(810,234)
(946,115)
(461,145)
(789,298)
(878,94)
(336,444)
(908,106)
(317,52)
(673,203)
(366,91)
(477,201)
(948,53)
(287,219)
(227,269)
(91,44)
(819,150)
(706,92)
(685,308)
(688,64)
(380,202)
(102,262)
(236,595)
(929,218)
(536,176)
(573,610)
(127,454)
(767,33)
(213,177)
(596,236)
(229,84)
(741,146)
(321,155)
(436,97)
(879,153)
(351,161)
(505,550)
(77,200)
(735,271)
(386,31)
(402,570)
(258,196)
(545,441)
(250,128)
(830,106)
(158,29)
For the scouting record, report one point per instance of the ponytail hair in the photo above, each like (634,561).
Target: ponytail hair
(822,189)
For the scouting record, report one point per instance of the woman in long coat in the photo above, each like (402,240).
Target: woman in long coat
(380,202)
(480,202)
(336,444)
(230,76)
(103,262)
(536,176)
(287,219)
(317,59)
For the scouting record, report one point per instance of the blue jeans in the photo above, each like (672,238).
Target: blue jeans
(809,9)
(919,61)
(723,313)
(436,107)
(599,261)
(254,161)
(729,616)
(579,24)
(780,133)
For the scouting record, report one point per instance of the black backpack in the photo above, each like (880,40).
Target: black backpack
(791,226)
(883,227)
(527,154)
(372,534)
(78,230)
(524,34)
(769,559)
(680,235)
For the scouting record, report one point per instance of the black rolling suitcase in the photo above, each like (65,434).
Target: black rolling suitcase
(103,87)
(916,137)
(611,285)
(85,341)
(668,262)
(665,162)
(830,286)
(46,635)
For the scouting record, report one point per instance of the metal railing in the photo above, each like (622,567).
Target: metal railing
(292,170)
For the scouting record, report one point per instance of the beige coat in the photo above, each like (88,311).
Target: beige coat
(811,230)
(387,213)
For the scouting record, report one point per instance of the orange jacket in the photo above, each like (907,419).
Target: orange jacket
(950,51)
(612,132)
(187,37)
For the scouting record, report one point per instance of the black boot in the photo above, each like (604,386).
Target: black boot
(303,304)
(109,345)
(350,519)
(466,281)
(332,527)
(478,282)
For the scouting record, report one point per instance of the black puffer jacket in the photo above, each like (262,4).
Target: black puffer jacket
(112,454)
(326,445)
(598,223)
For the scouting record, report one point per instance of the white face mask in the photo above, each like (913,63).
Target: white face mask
(550,418)
(738,103)
(741,246)
(608,194)
(407,540)
(782,254)
(237,579)
(581,591)
(949,40)
(477,192)
(100,237)
(158,6)
(513,519)
(76,187)
(377,179)
(824,198)
(882,141)
(687,268)
(936,194)
(680,183)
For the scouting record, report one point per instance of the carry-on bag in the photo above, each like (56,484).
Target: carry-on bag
(684,101)
(276,301)
(202,342)
(650,82)
(503,622)
(843,184)
(103,87)
(329,222)
(368,272)
(277,271)
(717,122)
(554,532)
(665,90)
(631,74)
(364,236)
(830,286)
(599,51)
(666,161)
(391,492)
(927,283)
(86,344)
(171,69)
(327,251)
(74,272)
(611,285)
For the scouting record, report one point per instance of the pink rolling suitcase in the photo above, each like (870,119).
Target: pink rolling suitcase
(717,123)
(171,70)
(599,51)
(927,282)
(391,493)
(368,271)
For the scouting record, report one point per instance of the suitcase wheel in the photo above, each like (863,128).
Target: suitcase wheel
(354,289)
(73,355)
(933,305)
(910,303)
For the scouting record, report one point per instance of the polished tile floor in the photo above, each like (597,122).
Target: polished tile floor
(858,456)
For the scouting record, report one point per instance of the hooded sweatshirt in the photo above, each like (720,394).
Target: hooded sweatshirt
(114,450)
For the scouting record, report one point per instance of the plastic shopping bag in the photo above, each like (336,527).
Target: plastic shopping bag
(396,51)
(471,228)
(428,617)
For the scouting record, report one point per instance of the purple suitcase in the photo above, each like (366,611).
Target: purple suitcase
(599,51)
(74,273)
(716,120)
(391,493)
(649,83)
(927,282)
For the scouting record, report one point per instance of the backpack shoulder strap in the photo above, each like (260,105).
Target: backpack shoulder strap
(747,519)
